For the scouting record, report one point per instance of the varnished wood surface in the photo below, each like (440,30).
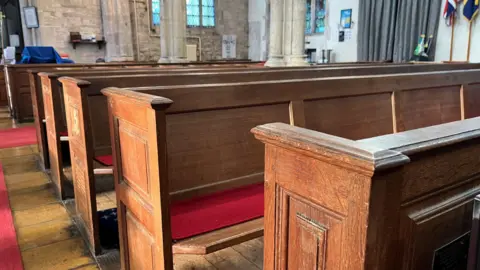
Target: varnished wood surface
(387,202)
(49,239)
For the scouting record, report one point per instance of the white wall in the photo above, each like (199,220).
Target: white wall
(442,51)
(345,51)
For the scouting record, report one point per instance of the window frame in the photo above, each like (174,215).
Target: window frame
(313,5)
(200,16)
(150,15)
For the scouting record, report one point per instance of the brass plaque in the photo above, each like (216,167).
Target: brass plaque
(452,256)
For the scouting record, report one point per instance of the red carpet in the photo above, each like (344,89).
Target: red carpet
(216,211)
(10,258)
(14,137)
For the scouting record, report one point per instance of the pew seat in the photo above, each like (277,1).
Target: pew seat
(106,160)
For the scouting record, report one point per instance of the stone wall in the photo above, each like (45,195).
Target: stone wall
(58,18)
(231,19)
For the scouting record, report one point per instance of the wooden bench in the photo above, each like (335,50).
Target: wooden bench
(399,201)
(18,83)
(101,141)
(179,143)
(37,96)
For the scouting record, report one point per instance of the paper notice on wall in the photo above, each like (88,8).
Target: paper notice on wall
(348,34)
(229,46)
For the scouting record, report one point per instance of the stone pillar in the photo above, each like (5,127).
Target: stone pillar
(295,33)
(275,58)
(117,30)
(178,30)
(165,37)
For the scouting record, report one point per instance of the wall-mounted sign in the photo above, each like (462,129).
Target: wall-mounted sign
(229,46)
(346,18)
(31,18)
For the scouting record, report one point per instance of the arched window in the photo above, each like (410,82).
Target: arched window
(315,16)
(200,13)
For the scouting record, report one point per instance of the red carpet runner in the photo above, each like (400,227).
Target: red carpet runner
(14,137)
(216,211)
(10,258)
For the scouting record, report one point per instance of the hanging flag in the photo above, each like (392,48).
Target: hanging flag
(449,11)
(470,9)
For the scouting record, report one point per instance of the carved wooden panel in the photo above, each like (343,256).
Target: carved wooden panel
(325,226)
(210,147)
(427,107)
(355,117)
(140,246)
(310,236)
(134,157)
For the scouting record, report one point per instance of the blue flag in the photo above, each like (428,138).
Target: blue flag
(470,9)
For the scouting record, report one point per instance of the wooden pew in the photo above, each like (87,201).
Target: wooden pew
(399,201)
(179,143)
(102,143)
(19,84)
(37,95)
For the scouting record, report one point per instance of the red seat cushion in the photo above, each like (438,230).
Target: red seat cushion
(64,133)
(106,160)
(216,211)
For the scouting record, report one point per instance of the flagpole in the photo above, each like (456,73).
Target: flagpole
(469,40)
(452,37)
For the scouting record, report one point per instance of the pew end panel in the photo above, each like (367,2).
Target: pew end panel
(39,116)
(54,128)
(138,133)
(317,191)
(411,194)
(81,155)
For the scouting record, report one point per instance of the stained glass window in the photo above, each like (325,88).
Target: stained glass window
(156,12)
(315,16)
(200,13)
(308,18)
(319,16)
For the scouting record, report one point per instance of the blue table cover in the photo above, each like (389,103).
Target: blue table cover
(41,55)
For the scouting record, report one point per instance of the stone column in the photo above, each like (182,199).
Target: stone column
(165,36)
(295,33)
(117,30)
(275,58)
(178,30)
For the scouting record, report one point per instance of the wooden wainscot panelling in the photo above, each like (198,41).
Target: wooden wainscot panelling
(427,107)
(355,117)
(399,201)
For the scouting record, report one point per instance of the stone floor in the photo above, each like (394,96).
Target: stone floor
(49,239)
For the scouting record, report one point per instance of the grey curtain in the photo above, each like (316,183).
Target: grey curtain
(389,29)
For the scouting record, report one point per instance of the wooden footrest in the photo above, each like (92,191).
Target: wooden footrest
(220,239)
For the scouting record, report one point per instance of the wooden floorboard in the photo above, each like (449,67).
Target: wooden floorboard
(49,239)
